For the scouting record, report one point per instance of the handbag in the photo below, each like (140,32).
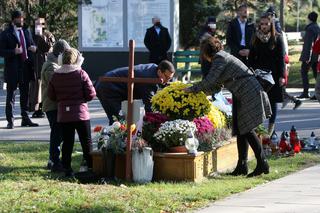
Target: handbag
(263,76)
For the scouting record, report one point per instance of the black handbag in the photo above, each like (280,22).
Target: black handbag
(264,77)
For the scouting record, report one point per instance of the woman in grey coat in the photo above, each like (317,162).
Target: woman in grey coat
(250,105)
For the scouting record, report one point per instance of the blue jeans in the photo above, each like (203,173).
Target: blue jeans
(55,136)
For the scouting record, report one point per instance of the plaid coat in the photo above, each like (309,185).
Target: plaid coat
(253,105)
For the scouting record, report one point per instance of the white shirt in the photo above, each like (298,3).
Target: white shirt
(243,32)
(157,30)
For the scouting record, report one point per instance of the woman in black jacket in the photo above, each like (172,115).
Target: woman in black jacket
(267,52)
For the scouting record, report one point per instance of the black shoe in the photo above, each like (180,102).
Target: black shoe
(27,122)
(313,98)
(297,104)
(69,173)
(303,95)
(260,169)
(38,114)
(49,164)
(10,125)
(57,168)
(241,169)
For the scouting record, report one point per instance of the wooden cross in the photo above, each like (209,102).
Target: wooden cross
(130,80)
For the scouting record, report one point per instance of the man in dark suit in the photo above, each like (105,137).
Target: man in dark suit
(111,94)
(16,46)
(239,34)
(158,41)
(307,58)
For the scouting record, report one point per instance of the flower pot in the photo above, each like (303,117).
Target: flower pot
(109,159)
(178,149)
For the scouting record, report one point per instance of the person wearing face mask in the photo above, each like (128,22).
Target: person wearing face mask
(71,87)
(239,34)
(17,46)
(158,41)
(208,30)
(111,94)
(267,52)
(44,41)
(308,58)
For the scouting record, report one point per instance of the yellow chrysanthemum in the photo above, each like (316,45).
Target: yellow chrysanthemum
(216,117)
(176,103)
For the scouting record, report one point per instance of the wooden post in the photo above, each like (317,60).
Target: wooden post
(130,109)
(130,80)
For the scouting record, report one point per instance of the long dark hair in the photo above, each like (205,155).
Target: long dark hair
(273,38)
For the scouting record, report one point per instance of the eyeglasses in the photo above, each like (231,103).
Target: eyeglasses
(168,76)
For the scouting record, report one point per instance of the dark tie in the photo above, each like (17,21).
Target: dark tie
(22,43)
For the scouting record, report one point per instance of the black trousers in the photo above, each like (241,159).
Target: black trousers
(111,106)
(244,140)
(11,96)
(55,136)
(304,74)
(68,133)
(252,139)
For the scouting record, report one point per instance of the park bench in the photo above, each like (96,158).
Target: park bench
(186,57)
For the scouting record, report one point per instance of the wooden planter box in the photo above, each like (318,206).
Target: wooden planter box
(185,167)
(179,166)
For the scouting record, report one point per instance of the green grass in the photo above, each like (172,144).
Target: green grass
(295,66)
(26,186)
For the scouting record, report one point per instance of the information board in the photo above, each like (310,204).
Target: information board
(102,24)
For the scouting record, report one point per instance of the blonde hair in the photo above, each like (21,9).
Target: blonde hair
(70,56)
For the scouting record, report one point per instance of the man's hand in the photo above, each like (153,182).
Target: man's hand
(32,48)
(187,90)
(244,52)
(18,50)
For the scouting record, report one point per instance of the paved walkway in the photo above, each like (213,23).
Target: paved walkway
(306,119)
(296,193)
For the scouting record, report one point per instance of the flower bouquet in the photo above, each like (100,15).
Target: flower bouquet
(177,104)
(174,133)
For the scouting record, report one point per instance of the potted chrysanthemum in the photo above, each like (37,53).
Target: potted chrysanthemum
(174,102)
(174,134)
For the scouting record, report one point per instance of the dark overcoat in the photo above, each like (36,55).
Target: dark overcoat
(234,36)
(261,56)
(253,106)
(15,70)
(119,91)
(158,45)
(312,31)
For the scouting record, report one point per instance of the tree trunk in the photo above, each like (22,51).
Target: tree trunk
(282,3)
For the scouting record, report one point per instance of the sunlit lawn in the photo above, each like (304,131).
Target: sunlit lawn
(26,186)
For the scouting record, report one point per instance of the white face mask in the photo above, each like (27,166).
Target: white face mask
(60,59)
(212,26)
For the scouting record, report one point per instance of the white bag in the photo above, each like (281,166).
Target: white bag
(142,165)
